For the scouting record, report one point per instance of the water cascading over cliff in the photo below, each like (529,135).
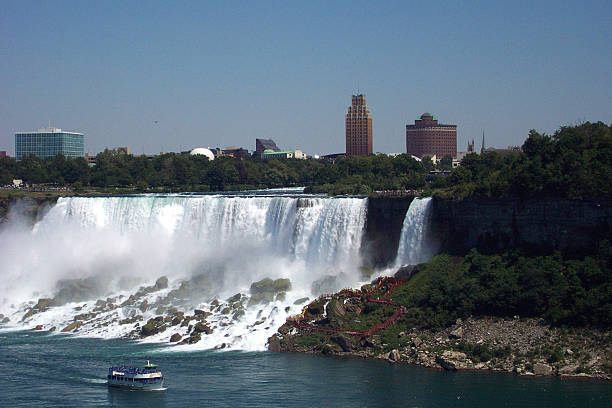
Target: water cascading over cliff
(97,258)
(417,244)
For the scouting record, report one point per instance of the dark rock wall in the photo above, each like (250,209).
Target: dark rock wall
(537,226)
(383,229)
(28,208)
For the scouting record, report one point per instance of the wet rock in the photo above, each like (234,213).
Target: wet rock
(153,326)
(144,306)
(281,296)
(194,338)
(5,320)
(406,272)
(235,298)
(51,330)
(175,338)
(38,327)
(42,305)
(542,369)
(274,344)
(101,303)
(447,365)
(238,315)
(161,283)
(202,328)
(72,326)
(265,297)
(327,284)
(78,290)
(130,320)
(301,301)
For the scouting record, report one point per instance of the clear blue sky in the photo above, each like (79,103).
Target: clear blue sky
(224,73)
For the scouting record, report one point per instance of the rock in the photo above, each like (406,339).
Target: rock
(457,333)
(301,301)
(38,327)
(394,355)
(281,296)
(454,355)
(542,369)
(202,328)
(235,298)
(101,303)
(175,338)
(416,342)
(569,352)
(334,309)
(274,344)
(72,326)
(144,306)
(5,320)
(238,315)
(327,284)
(568,369)
(153,326)
(406,272)
(194,338)
(343,342)
(161,283)
(78,290)
(401,334)
(52,329)
(447,365)
(199,312)
(268,285)
(265,297)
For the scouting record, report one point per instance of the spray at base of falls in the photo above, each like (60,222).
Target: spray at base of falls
(96,260)
(100,257)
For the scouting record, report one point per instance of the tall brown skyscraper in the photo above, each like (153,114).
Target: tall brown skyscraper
(358,128)
(427,137)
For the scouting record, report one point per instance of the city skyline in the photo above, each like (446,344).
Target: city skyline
(169,77)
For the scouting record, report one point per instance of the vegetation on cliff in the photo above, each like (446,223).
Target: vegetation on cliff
(540,314)
(575,162)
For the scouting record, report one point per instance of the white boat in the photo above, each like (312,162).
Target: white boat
(148,377)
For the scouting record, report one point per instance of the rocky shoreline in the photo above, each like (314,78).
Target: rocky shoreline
(523,346)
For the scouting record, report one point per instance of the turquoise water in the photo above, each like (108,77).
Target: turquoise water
(38,370)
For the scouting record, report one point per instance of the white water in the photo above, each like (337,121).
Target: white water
(417,245)
(126,242)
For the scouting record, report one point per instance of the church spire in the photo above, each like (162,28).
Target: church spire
(482,149)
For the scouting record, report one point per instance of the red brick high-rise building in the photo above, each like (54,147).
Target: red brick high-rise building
(358,128)
(427,137)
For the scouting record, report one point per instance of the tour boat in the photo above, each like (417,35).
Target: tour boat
(135,378)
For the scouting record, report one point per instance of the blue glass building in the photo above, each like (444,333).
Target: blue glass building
(48,143)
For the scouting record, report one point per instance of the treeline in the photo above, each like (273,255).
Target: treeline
(562,291)
(351,175)
(575,162)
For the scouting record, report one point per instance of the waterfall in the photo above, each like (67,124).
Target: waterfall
(123,243)
(416,242)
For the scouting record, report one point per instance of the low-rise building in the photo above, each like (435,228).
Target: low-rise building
(291,154)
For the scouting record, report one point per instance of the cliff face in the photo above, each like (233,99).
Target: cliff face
(30,208)
(537,226)
(383,229)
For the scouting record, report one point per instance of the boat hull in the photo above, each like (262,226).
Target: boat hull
(137,385)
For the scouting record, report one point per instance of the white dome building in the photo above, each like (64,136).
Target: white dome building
(203,151)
